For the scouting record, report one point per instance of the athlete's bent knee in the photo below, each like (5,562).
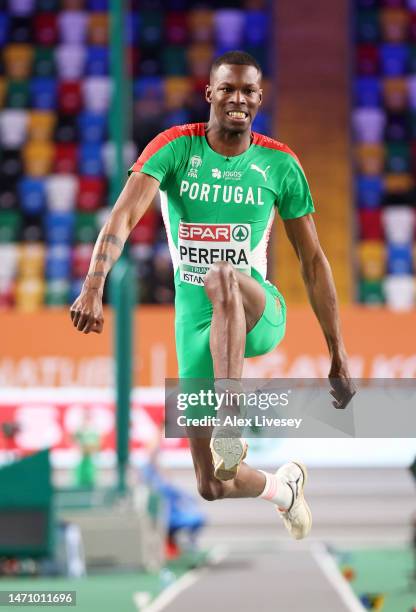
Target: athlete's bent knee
(220,281)
(210,490)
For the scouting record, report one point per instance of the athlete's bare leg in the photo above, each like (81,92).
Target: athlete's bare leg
(238,303)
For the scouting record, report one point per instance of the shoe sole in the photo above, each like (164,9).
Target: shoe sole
(232,451)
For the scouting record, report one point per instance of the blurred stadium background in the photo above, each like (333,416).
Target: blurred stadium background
(84,85)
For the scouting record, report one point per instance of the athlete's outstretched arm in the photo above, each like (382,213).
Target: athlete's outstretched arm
(136,197)
(319,282)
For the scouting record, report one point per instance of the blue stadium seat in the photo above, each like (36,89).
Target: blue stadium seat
(59,227)
(262,123)
(131,25)
(92,127)
(368,91)
(58,261)
(369,191)
(32,195)
(75,289)
(399,258)
(90,159)
(148,87)
(394,59)
(255,30)
(4,28)
(177,117)
(43,92)
(97,63)
(97,5)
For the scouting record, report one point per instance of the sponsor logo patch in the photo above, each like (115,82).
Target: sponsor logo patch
(202,244)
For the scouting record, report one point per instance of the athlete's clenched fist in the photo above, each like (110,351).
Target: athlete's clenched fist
(87,312)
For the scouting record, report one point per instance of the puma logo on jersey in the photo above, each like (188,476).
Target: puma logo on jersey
(262,172)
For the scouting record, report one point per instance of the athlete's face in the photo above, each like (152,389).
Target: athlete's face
(235,95)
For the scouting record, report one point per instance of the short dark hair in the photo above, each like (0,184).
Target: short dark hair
(239,58)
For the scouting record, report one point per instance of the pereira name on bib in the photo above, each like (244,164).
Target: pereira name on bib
(202,244)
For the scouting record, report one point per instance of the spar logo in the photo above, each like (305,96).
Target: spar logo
(206,233)
(195,162)
(240,233)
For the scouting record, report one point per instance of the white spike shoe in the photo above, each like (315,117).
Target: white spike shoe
(298,518)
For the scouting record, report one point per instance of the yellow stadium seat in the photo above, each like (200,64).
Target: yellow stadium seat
(200,57)
(41,125)
(98,29)
(177,91)
(201,24)
(3,90)
(398,183)
(395,93)
(38,157)
(30,294)
(370,158)
(18,60)
(32,260)
(394,24)
(372,259)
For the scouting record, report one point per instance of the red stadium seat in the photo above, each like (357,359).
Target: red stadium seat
(370,225)
(66,158)
(46,29)
(70,98)
(91,193)
(176,25)
(367,60)
(81,257)
(144,232)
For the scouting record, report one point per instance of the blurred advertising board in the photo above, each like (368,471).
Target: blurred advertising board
(42,349)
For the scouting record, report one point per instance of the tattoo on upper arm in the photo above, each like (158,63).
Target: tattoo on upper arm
(114,239)
(103,257)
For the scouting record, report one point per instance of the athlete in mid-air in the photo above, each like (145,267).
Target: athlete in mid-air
(220,185)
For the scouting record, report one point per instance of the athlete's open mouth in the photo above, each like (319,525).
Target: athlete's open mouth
(237,114)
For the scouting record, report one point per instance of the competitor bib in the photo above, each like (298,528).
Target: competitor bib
(202,244)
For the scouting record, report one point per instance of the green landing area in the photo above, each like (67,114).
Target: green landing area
(386,577)
(109,592)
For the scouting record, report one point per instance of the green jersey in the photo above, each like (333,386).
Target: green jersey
(218,208)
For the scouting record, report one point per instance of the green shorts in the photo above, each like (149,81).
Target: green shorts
(192,335)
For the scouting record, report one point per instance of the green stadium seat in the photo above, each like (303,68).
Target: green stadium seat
(10,225)
(17,94)
(174,61)
(57,292)
(368,26)
(44,62)
(371,292)
(86,229)
(398,157)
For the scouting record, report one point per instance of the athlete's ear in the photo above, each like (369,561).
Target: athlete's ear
(260,97)
(208,93)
